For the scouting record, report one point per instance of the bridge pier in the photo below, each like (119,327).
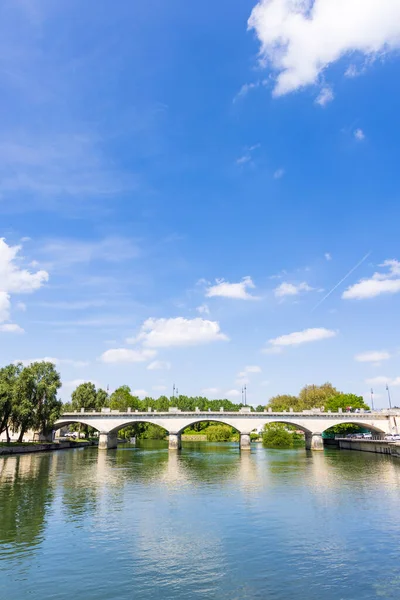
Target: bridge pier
(174,441)
(245,441)
(314,441)
(108,441)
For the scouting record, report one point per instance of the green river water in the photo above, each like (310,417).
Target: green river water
(208,522)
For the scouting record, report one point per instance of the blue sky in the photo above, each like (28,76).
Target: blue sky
(182,186)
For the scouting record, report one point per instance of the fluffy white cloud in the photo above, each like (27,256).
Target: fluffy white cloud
(232,290)
(11,328)
(291,289)
(300,38)
(325,96)
(126,355)
(380,283)
(359,135)
(302,337)
(159,365)
(13,279)
(158,333)
(382,380)
(372,356)
(56,361)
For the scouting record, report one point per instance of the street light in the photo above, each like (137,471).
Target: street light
(372,399)
(390,401)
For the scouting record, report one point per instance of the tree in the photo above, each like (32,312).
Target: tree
(8,379)
(344,401)
(35,399)
(218,433)
(101,399)
(284,402)
(317,396)
(275,435)
(84,396)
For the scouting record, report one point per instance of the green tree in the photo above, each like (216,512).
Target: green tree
(275,435)
(8,378)
(344,401)
(36,404)
(284,402)
(218,433)
(317,396)
(84,396)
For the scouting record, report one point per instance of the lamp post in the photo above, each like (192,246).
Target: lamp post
(372,399)
(390,400)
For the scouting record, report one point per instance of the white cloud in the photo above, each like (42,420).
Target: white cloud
(372,357)
(302,337)
(291,289)
(232,290)
(11,328)
(359,135)
(159,365)
(13,279)
(126,355)
(55,361)
(243,376)
(158,333)
(325,96)
(203,309)
(380,283)
(247,87)
(279,173)
(327,256)
(242,160)
(300,38)
(382,380)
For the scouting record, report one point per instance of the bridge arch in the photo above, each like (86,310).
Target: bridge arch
(211,421)
(60,423)
(159,422)
(364,424)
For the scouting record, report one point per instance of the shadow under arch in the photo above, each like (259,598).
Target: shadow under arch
(296,425)
(61,423)
(128,424)
(210,421)
(372,428)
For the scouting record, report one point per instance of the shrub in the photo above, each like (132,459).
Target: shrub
(276,436)
(218,433)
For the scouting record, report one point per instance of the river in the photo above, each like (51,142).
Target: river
(206,523)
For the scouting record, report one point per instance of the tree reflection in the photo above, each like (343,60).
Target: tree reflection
(25,495)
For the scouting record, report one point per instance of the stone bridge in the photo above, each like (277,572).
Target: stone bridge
(313,423)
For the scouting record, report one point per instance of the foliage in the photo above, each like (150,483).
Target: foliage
(35,398)
(275,435)
(284,402)
(344,401)
(218,433)
(86,396)
(154,432)
(8,378)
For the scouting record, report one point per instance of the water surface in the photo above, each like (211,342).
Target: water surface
(207,523)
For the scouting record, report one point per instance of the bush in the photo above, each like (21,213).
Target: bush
(276,436)
(218,433)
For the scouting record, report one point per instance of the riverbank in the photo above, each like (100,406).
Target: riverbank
(15,448)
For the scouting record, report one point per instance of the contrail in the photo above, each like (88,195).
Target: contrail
(341,281)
